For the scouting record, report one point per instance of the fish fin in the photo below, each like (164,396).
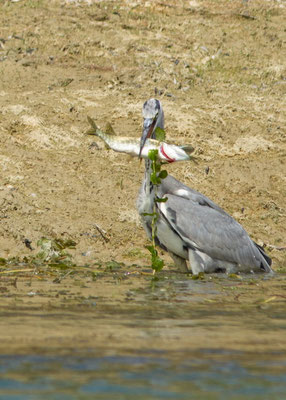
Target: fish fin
(187,148)
(109,129)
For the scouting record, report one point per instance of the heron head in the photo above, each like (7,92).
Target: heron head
(153,117)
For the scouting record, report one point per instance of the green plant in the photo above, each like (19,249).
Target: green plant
(156,177)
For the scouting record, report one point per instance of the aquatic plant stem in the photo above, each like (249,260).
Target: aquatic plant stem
(156,176)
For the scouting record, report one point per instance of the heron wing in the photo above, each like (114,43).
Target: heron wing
(171,185)
(205,226)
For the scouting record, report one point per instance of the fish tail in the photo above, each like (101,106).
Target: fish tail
(94,128)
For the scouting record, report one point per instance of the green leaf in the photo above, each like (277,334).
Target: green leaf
(155,179)
(157,262)
(161,199)
(160,134)
(152,250)
(156,166)
(163,174)
(153,154)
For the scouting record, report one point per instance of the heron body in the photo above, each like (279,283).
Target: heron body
(190,226)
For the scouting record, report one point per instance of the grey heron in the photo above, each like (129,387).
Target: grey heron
(190,226)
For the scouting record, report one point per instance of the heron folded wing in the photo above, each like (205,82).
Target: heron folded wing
(211,231)
(171,185)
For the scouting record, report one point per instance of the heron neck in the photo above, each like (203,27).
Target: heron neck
(148,171)
(148,185)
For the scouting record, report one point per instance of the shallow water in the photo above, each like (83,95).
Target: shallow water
(126,336)
(205,374)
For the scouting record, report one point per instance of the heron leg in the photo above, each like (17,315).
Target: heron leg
(180,262)
(196,262)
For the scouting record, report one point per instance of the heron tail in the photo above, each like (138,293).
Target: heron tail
(267,261)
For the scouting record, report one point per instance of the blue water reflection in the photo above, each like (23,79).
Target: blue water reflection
(204,375)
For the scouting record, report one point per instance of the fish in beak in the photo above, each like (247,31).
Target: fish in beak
(136,147)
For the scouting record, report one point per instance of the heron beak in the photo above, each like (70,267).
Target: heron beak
(148,128)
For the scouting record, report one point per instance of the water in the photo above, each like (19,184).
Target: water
(205,374)
(172,339)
